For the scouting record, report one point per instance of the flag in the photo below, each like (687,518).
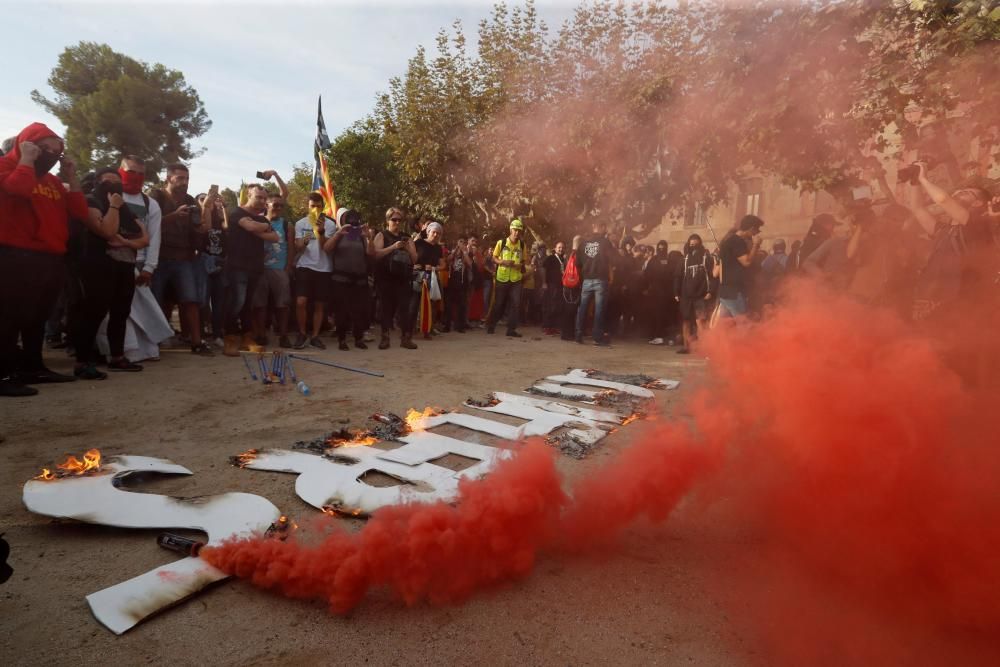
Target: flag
(243,195)
(321,177)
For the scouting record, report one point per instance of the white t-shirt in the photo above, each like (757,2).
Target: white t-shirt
(148,258)
(313,256)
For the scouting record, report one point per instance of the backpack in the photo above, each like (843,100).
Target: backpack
(571,274)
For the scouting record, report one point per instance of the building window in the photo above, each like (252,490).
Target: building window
(697,216)
(750,193)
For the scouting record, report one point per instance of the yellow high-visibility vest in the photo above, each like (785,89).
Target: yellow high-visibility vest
(504,250)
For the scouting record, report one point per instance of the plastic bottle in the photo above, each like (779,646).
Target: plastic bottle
(303,388)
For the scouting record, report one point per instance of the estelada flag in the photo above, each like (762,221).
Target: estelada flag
(321,178)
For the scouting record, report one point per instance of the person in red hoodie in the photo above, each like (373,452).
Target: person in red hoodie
(35,210)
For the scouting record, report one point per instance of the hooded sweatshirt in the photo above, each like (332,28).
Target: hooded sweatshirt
(35,212)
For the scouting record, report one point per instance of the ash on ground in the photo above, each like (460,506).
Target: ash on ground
(634,379)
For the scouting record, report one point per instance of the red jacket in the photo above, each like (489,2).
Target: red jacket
(35,212)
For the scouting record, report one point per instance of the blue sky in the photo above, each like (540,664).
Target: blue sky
(258,66)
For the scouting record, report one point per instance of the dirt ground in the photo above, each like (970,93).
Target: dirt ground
(645,602)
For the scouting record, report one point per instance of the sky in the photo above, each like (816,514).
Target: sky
(258,67)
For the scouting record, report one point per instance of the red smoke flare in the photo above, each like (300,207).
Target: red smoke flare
(855,453)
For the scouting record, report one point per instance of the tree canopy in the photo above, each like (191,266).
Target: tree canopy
(635,112)
(112,105)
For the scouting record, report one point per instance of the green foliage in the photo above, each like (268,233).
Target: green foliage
(113,105)
(363,173)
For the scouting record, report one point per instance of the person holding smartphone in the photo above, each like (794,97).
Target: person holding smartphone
(348,251)
(312,271)
(182,225)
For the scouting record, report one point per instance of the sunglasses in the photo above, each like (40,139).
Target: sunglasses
(395,219)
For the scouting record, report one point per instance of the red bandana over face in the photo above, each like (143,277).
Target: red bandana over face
(131,181)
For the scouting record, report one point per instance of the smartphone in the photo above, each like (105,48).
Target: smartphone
(213,190)
(260,174)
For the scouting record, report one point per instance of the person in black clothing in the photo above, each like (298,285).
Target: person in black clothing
(736,255)
(395,256)
(349,250)
(552,273)
(107,276)
(430,259)
(658,280)
(820,230)
(693,289)
(457,293)
(570,298)
(596,256)
(245,252)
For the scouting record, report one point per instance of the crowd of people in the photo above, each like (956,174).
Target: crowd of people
(99,267)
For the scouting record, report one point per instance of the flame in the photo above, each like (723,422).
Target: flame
(337,511)
(358,439)
(417,421)
(73,467)
(246,458)
(629,419)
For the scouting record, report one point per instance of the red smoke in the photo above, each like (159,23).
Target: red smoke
(856,454)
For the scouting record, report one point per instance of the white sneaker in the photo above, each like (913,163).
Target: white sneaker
(656,341)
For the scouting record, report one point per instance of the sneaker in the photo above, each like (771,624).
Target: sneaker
(284,342)
(359,343)
(342,345)
(43,376)
(656,341)
(202,350)
(89,372)
(513,334)
(317,343)
(408,343)
(384,343)
(123,365)
(11,387)
(300,341)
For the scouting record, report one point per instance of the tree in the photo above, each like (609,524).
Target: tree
(363,173)
(113,105)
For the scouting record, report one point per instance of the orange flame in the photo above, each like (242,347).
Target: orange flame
(337,511)
(73,467)
(358,439)
(629,419)
(246,458)
(417,421)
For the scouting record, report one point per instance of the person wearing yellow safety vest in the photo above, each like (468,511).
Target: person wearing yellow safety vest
(510,258)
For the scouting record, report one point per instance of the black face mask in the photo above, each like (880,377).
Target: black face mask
(45,162)
(102,190)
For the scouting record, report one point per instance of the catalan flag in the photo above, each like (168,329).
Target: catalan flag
(321,178)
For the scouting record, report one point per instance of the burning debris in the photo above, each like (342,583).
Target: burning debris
(631,406)
(99,499)
(634,379)
(73,467)
(488,402)
(571,445)
(244,459)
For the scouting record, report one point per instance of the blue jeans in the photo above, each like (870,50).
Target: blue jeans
(239,287)
(183,274)
(597,289)
(734,307)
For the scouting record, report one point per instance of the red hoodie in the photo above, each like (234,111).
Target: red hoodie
(35,212)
